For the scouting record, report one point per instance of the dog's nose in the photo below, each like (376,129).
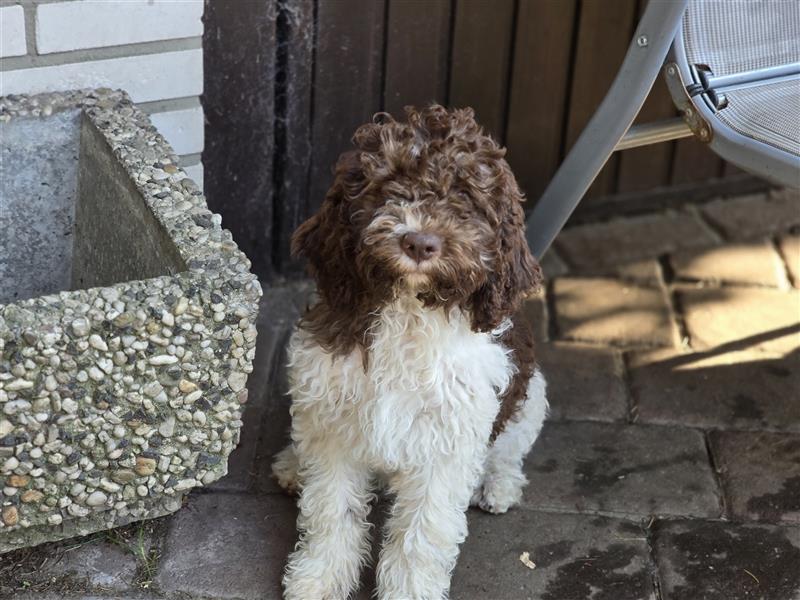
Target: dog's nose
(421,246)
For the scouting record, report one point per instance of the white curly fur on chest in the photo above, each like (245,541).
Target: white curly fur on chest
(431,386)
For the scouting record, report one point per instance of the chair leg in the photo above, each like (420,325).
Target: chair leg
(612,119)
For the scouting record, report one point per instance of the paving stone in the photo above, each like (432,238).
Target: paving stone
(750,263)
(647,272)
(761,474)
(583,381)
(633,238)
(576,557)
(535,311)
(613,312)
(790,249)
(753,318)
(754,215)
(723,561)
(727,390)
(621,469)
(279,309)
(553,265)
(225,546)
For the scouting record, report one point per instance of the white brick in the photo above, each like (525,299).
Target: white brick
(183,129)
(145,78)
(12,31)
(196,173)
(98,23)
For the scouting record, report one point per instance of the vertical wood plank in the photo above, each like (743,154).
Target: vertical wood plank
(538,88)
(238,61)
(694,162)
(648,166)
(347,83)
(480,58)
(418,39)
(604,34)
(294,80)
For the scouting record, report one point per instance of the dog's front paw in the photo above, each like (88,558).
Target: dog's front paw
(285,470)
(497,497)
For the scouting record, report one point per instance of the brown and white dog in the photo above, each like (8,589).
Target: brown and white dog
(412,366)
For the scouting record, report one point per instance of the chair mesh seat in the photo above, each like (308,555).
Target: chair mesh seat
(767,113)
(734,36)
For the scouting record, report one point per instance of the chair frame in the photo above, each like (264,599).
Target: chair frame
(657,43)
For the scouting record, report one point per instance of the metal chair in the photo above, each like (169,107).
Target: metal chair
(733,71)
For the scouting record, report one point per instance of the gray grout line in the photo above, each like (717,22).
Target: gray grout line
(160,106)
(29,12)
(783,262)
(94,54)
(717,474)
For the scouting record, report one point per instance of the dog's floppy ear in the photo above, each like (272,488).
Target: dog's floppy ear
(516,273)
(327,239)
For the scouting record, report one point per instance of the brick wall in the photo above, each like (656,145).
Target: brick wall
(150,48)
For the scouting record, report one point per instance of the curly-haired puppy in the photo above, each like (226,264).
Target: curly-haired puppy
(412,366)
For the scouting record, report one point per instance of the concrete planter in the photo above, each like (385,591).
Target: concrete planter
(127,321)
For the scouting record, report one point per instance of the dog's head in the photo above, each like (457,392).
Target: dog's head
(428,208)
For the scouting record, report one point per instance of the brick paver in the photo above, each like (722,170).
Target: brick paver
(583,381)
(575,557)
(228,546)
(760,473)
(754,215)
(723,561)
(730,390)
(603,310)
(749,263)
(622,470)
(753,318)
(624,240)
(790,249)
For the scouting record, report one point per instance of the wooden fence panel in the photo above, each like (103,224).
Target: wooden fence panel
(288,81)
(417,45)
(480,60)
(538,88)
(347,82)
(239,105)
(603,36)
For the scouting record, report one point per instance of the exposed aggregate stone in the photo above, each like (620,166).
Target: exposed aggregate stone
(115,401)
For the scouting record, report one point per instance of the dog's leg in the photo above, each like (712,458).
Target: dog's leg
(503,478)
(285,469)
(426,524)
(334,543)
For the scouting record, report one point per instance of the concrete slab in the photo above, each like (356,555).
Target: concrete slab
(227,546)
(624,240)
(722,561)
(747,263)
(754,215)
(747,318)
(575,556)
(760,474)
(726,390)
(621,469)
(583,381)
(607,311)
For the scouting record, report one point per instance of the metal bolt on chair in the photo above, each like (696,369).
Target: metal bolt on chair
(732,68)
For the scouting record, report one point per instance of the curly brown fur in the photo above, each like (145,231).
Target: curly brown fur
(518,339)
(440,171)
